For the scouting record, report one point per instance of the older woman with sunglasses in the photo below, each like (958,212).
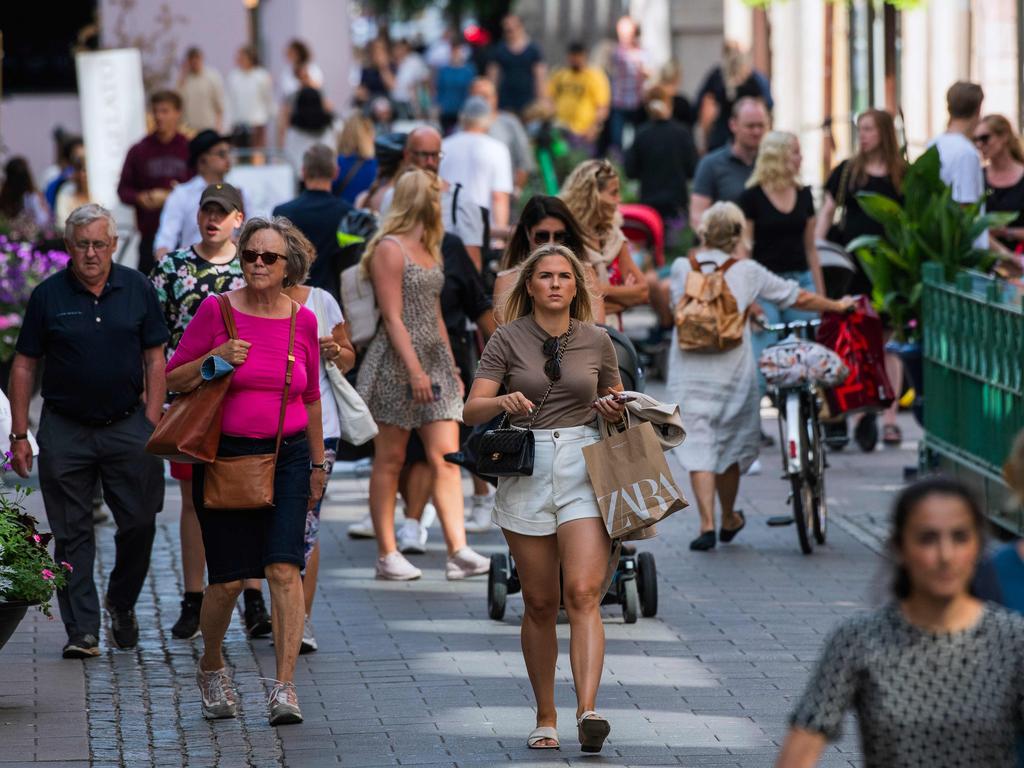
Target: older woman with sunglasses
(545,220)
(560,372)
(243,544)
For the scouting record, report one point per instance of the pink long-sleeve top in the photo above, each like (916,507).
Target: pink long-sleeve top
(252,405)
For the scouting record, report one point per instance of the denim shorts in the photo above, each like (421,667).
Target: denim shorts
(240,544)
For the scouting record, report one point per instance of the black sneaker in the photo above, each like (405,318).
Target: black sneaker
(257,620)
(187,625)
(123,626)
(82,647)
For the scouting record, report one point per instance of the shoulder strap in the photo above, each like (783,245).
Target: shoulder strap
(694,264)
(727,264)
(352,171)
(227,315)
(455,204)
(401,247)
(287,376)
(844,183)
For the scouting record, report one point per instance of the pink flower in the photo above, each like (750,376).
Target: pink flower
(37,538)
(66,566)
(47,574)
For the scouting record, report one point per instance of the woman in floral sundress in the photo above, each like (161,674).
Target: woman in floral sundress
(182,280)
(409,378)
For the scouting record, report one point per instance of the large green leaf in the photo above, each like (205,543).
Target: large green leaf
(882,209)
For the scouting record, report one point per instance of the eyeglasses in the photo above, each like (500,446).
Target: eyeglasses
(982,139)
(547,236)
(269,257)
(427,155)
(83,246)
(552,368)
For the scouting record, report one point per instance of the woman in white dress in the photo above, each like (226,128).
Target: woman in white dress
(717,392)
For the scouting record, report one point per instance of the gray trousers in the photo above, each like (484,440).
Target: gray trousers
(72,458)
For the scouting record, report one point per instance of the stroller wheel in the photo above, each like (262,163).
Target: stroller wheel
(497,586)
(630,601)
(647,576)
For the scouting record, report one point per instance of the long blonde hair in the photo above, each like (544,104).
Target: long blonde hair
(772,170)
(417,200)
(582,193)
(518,302)
(356,137)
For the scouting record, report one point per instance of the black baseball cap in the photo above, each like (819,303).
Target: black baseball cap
(202,143)
(224,195)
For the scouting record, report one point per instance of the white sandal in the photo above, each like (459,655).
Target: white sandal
(593,730)
(539,734)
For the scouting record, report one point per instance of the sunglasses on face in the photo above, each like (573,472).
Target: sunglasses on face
(269,258)
(982,139)
(547,236)
(552,368)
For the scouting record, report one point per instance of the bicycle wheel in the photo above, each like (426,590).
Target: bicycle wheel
(803,505)
(820,517)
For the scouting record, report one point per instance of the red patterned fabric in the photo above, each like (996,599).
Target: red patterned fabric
(857,339)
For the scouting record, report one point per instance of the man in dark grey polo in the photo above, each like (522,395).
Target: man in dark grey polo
(722,174)
(100,328)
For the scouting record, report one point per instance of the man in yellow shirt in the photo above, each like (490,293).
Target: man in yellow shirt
(581,95)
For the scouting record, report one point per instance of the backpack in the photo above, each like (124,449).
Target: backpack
(358,301)
(707,316)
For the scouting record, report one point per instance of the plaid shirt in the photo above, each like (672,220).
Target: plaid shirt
(627,76)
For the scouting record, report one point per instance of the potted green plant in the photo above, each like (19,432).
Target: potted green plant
(28,574)
(928,226)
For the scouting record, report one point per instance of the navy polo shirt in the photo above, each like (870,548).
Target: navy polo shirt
(93,345)
(720,175)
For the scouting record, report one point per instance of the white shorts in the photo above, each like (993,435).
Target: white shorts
(559,489)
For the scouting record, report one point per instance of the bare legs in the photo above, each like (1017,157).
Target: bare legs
(388,458)
(218,604)
(309,578)
(726,485)
(894,369)
(580,550)
(439,438)
(193,554)
(287,611)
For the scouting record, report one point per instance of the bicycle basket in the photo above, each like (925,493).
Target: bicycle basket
(793,362)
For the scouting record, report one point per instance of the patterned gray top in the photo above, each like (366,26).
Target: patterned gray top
(922,699)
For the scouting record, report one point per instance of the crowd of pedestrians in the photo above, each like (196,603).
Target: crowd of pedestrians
(491,305)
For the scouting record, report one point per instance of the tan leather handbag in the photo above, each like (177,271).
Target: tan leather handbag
(190,430)
(247,482)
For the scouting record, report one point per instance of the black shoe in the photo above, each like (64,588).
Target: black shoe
(704,542)
(725,535)
(767,441)
(82,647)
(123,626)
(866,432)
(187,625)
(257,620)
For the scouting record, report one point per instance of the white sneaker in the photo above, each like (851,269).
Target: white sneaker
(411,538)
(466,563)
(429,516)
(395,567)
(363,529)
(755,468)
(309,643)
(479,518)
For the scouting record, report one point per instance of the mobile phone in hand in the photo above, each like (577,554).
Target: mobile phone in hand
(435,388)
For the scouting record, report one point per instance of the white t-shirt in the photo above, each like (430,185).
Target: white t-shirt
(328,314)
(410,73)
(467,223)
(480,163)
(250,96)
(179,227)
(961,170)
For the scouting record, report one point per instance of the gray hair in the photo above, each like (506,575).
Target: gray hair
(475,112)
(299,253)
(84,215)
(319,162)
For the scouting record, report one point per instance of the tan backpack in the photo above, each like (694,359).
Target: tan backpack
(707,316)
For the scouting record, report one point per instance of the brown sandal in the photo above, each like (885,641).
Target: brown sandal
(892,434)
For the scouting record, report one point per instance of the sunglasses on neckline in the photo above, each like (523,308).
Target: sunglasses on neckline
(269,257)
(552,368)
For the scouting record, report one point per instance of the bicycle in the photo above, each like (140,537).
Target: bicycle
(801,438)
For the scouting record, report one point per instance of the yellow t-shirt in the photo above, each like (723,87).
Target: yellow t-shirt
(577,97)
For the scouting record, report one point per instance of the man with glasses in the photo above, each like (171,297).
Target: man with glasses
(101,330)
(210,155)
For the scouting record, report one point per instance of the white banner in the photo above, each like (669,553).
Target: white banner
(113,115)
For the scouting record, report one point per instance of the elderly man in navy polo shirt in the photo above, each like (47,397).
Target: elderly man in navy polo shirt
(101,330)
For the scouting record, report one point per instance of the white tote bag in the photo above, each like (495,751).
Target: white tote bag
(357,425)
(359,305)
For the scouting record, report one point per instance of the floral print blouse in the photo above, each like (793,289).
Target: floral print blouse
(182,280)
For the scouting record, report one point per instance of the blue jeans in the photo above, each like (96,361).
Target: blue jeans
(764,339)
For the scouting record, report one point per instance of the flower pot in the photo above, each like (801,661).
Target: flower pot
(913,363)
(11,614)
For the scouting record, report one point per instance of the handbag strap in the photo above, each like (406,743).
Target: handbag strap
(227,315)
(287,377)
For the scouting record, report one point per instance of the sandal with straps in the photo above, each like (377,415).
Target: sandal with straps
(543,733)
(593,730)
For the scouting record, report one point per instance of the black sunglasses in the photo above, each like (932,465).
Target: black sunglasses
(547,236)
(269,257)
(552,368)
(982,139)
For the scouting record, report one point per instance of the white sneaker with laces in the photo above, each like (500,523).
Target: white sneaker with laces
(394,567)
(309,644)
(479,519)
(411,537)
(429,516)
(363,529)
(466,563)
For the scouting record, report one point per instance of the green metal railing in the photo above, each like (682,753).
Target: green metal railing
(973,349)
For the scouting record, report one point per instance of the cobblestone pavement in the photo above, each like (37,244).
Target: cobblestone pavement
(416,674)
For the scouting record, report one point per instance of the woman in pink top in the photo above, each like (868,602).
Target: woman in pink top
(259,543)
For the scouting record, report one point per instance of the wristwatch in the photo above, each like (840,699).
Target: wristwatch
(12,437)
(324,465)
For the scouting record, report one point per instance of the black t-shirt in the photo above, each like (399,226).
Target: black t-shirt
(93,345)
(317,214)
(778,237)
(1007,199)
(516,82)
(714,85)
(463,296)
(857,221)
(662,157)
